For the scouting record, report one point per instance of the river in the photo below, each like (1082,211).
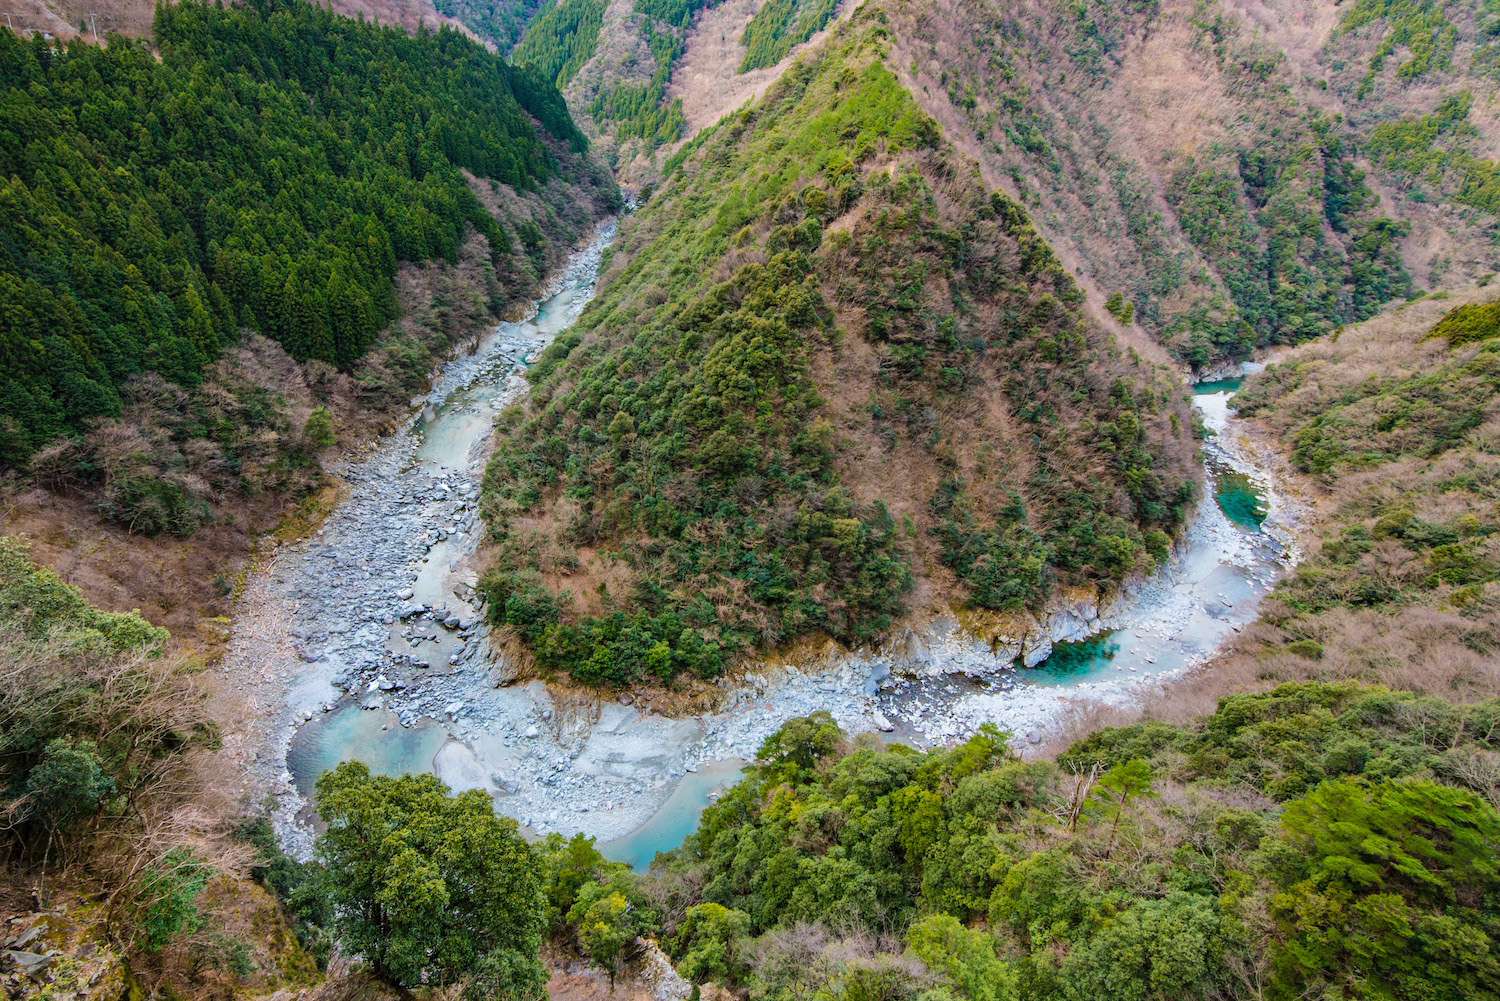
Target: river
(381,654)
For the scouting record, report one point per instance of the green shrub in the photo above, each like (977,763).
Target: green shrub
(69,782)
(1467,324)
(430,889)
(1307,649)
(318,431)
(166,896)
(153,506)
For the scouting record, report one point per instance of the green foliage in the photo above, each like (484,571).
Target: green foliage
(1170,947)
(1289,239)
(797,747)
(1005,567)
(1115,788)
(592,904)
(298,885)
(1294,241)
(567,864)
(183,448)
(607,919)
(678,437)
(1418,28)
(153,506)
(560,39)
(43,607)
(1421,548)
(1386,417)
(1433,151)
(68,783)
(966,957)
(1120,309)
(265,172)
(563,37)
(499,21)
(711,944)
(430,888)
(166,895)
(1388,891)
(636,110)
(1287,741)
(1373,880)
(317,432)
(749,379)
(1467,324)
(780,25)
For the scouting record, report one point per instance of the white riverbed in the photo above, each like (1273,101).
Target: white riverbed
(373,672)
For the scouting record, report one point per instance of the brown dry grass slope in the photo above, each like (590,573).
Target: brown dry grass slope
(1098,116)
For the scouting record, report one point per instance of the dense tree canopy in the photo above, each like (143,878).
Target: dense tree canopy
(561,39)
(681,449)
(430,888)
(778,26)
(1252,854)
(268,171)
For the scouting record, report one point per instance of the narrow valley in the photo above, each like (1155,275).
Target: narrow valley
(750,500)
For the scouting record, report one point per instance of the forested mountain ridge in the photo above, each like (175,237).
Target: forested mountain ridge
(195,146)
(1239,174)
(278,212)
(1242,175)
(821,292)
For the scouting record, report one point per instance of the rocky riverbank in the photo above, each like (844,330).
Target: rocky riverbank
(376,608)
(367,640)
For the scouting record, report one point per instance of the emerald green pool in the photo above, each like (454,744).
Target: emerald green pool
(1239,500)
(1070,661)
(1235,493)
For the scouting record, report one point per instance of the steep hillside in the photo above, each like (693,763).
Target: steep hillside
(826,366)
(117,849)
(1395,422)
(643,75)
(223,257)
(1242,174)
